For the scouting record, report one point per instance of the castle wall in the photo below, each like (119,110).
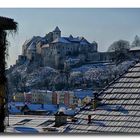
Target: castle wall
(47,54)
(99,56)
(55,54)
(38,48)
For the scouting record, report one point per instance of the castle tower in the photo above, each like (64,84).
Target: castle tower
(56,33)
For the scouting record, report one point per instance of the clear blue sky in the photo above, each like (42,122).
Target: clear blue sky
(101,25)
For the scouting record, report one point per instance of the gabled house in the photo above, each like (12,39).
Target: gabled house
(38,109)
(15,107)
(83,97)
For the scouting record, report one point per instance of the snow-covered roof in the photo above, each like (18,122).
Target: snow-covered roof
(118,110)
(50,107)
(45,107)
(27,42)
(60,40)
(18,123)
(83,93)
(45,46)
(32,46)
(70,112)
(42,91)
(34,107)
(13,110)
(17,103)
(31,43)
(84,42)
(56,29)
(71,39)
(80,40)
(135,48)
(74,39)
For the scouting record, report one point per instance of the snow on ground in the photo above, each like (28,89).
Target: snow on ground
(86,67)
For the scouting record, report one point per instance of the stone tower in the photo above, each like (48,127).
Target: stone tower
(56,33)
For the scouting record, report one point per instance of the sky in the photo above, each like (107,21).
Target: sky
(101,25)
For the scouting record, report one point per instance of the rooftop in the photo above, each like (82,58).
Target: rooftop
(135,48)
(119,110)
(57,29)
(60,40)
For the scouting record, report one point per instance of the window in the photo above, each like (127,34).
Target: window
(23,122)
(46,123)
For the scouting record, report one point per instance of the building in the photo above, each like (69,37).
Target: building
(19,97)
(135,52)
(34,96)
(54,50)
(41,96)
(30,108)
(39,109)
(23,97)
(28,97)
(15,107)
(63,97)
(117,110)
(84,101)
(83,97)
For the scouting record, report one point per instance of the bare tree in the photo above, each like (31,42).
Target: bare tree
(136,42)
(120,49)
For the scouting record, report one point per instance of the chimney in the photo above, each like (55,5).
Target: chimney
(89,119)
(95,101)
(60,119)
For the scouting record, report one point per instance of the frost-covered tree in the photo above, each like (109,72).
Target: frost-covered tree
(76,78)
(121,49)
(119,46)
(136,41)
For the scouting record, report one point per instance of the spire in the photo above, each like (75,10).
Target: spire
(56,29)
(56,33)
(70,36)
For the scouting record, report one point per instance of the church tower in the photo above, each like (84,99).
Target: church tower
(56,33)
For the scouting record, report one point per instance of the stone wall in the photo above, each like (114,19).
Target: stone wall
(100,56)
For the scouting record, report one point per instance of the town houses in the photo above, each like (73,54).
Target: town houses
(57,99)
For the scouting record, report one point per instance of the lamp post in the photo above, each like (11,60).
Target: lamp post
(5,25)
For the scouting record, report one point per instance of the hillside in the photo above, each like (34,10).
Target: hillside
(31,75)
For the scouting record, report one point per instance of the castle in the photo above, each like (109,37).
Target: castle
(56,51)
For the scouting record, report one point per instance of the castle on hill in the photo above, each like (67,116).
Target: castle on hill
(58,52)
